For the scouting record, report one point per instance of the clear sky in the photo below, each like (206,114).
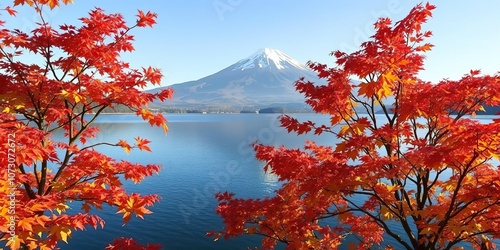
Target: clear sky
(194,39)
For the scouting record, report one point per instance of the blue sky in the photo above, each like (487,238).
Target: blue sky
(194,39)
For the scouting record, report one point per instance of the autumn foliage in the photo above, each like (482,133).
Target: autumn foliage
(59,79)
(408,161)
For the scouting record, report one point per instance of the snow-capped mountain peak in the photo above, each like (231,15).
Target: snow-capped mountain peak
(268,58)
(264,79)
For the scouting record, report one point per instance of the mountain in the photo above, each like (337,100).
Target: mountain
(264,79)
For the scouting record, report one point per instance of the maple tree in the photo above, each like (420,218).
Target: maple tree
(59,80)
(410,162)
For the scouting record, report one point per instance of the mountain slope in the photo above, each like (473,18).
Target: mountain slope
(263,79)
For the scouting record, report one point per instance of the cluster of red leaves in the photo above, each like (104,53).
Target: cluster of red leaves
(51,3)
(77,73)
(423,166)
(130,244)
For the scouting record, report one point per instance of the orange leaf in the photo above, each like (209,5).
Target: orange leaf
(124,145)
(14,243)
(142,144)
(25,224)
(22,2)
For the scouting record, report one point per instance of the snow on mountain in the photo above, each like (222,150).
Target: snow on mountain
(266,78)
(267,58)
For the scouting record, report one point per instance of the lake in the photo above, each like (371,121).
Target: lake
(200,155)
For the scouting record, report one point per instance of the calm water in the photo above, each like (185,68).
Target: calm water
(201,155)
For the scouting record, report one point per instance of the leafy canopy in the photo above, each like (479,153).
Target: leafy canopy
(410,162)
(59,80)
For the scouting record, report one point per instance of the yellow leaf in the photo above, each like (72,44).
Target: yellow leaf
(58,186)
(61,232)
(385,91)
(45,247)
(64,235)
(343,130)
(165,127)
(388,80)
(392,188)
(61,207)
(32,245)
(6,110)
(77,98)
(358,128)
(14,243)
(386,213)
(450,187)
(468,178)
(494,155)
(64,93)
